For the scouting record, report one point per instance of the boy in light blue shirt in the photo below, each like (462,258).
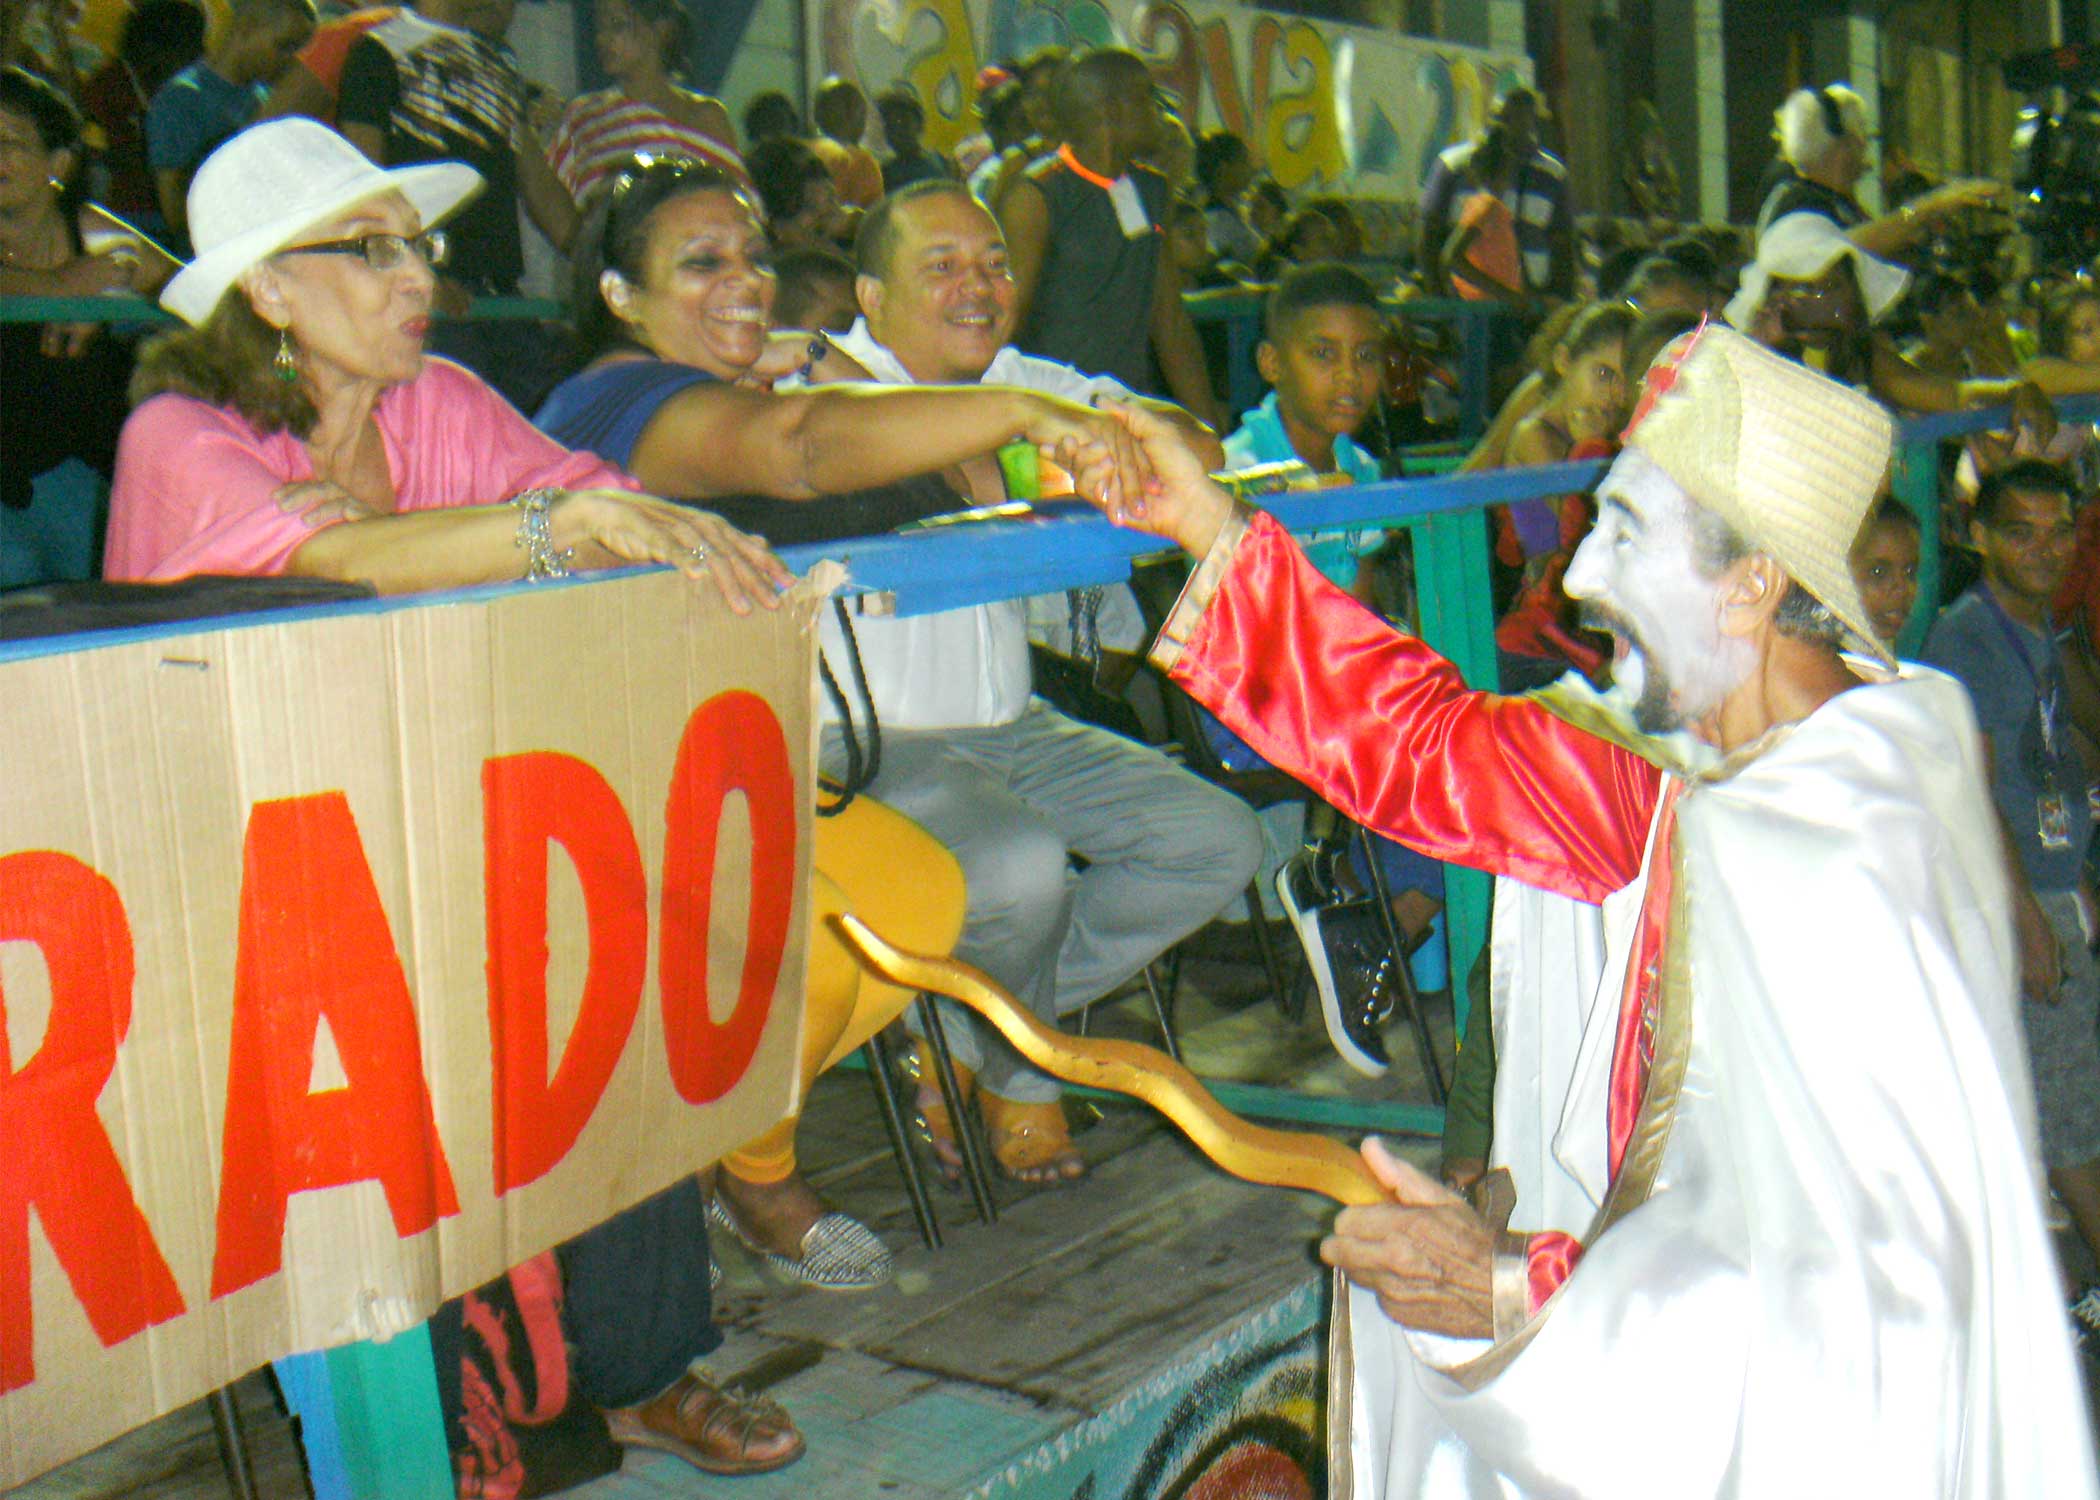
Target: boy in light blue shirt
(1323,354)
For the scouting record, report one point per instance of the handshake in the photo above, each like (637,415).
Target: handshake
(1136,467)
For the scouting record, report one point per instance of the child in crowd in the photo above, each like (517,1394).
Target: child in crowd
(1885,566)
(1267,206)
(1324,359)
(1308,236)
(814,291)
(1583,408)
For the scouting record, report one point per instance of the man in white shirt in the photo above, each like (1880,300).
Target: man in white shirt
(1008,783)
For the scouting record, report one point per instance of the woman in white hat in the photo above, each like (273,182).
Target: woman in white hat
(298,427)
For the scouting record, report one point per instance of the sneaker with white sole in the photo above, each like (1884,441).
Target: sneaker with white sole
(1351,962)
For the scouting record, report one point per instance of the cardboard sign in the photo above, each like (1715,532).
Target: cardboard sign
(347,961)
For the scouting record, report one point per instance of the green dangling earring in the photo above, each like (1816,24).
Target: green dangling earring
(286,364)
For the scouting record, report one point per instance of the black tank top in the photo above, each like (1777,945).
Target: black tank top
(1092,307)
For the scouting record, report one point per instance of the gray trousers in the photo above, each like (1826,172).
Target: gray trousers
(1165,852)
(2063,1047)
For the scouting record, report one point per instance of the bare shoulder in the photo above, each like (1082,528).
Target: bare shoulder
(704,113)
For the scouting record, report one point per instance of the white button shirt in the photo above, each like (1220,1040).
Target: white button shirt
(961,668)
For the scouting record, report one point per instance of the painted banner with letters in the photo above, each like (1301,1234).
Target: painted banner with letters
(347,959)
(1324,106)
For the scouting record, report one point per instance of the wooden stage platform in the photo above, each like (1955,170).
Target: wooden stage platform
(982,1354)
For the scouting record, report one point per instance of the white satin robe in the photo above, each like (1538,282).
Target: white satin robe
(1840,1283)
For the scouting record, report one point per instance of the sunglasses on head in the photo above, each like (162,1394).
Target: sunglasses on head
(648,180)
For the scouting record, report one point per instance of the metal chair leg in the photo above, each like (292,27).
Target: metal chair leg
(1161,1013)
(1286,999)
(1425,1044)
(878,1058)
(233,1447)
(951,1091)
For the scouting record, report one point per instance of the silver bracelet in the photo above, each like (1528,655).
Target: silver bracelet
(536,536)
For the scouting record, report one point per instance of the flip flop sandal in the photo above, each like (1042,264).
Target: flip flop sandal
(716,1442)
(839,1253)
(1033,1138)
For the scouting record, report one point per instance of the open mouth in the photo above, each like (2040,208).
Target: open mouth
(739,315)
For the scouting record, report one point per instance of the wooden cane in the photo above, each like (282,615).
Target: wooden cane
(1275,1158)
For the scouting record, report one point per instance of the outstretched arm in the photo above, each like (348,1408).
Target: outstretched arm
(1373,720)
(797,445)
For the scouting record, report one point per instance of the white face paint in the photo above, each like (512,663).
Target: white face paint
(1637,575)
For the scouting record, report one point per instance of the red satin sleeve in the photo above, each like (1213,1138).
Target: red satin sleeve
(1549,1259)
(1387,731)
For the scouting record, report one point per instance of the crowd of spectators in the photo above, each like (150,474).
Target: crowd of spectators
(751,311)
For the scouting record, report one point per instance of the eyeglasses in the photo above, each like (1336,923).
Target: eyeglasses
(382,252)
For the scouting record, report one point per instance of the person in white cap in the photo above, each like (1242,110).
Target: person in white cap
(1814,295)
(1810,1254)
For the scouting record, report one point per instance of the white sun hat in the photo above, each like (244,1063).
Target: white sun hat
(1801,246)
(269,185)
(1790,459)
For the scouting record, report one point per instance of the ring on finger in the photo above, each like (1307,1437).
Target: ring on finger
(697,552)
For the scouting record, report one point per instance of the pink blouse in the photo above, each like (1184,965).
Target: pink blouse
(195,484)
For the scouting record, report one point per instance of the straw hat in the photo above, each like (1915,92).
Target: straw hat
(1801,246)
(1790,459)
(273,182)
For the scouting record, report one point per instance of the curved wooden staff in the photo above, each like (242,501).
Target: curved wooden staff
(1276,1158)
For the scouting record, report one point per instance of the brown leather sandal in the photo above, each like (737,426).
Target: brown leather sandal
(1031,1142)
(716,1431)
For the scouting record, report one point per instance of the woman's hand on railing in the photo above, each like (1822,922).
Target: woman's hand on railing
(615,526)
(1181,503)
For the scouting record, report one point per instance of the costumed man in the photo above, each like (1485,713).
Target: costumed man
(1811,1256)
